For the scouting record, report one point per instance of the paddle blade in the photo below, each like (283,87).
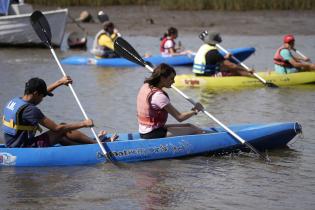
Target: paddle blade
(41,27)
(272,85)
(125,50)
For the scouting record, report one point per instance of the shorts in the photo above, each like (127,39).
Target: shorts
(157,133)
(42,140)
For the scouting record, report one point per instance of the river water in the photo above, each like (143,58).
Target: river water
(203,182)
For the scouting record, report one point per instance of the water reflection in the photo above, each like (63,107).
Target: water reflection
(37,187)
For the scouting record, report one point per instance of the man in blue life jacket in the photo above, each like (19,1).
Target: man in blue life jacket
(209,62)
(21,119)
(286,62)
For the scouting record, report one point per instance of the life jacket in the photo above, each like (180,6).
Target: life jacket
(165,50)
(200,66)
(279,60)
(102,51)
(146,114)
(11,123)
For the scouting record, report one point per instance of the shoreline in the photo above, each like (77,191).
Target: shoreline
(136,21)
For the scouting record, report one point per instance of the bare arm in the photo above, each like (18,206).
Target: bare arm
(242,71)
(51,125)
(63,81)
(301,65)
(184,115)
(302,59)
(172,52)
(231,65)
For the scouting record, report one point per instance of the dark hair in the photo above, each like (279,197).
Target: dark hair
(170,31)
(162,70)
(36,84)
(108,25)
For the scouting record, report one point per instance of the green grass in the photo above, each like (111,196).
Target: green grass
(231,5)
(237,5)
(63,3)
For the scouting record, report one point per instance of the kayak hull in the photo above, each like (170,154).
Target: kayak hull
(179,60)
(129,148)
(190,80)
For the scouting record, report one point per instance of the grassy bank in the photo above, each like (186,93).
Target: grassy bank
(231,5)
(238,5)
(64,3)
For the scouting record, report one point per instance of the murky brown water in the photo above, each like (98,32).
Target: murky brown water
(109,97)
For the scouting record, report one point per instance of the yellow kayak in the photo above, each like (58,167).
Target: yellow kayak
(190,80)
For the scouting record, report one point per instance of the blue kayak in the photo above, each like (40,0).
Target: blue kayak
(179,60)
(130,148)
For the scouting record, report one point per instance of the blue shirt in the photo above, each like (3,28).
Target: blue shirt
(31,115)
(286,54)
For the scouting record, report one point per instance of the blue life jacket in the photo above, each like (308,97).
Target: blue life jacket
(10,122)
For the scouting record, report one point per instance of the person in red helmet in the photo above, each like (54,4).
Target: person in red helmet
(286,62)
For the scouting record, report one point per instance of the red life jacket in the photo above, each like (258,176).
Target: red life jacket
(162,45)
(279,60)
(146,114)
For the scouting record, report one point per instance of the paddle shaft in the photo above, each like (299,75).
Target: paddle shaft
(301,54)
(42,29)
(242,64)
(205,112)
(74,21)
(78,102)
(128,52)
(242,141)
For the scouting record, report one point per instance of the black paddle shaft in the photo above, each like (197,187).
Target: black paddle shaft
(41,27)
(125,50)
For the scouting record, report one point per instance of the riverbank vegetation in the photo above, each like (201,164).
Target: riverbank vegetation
(229,5)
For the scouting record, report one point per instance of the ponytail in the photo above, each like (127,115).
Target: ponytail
(164,35)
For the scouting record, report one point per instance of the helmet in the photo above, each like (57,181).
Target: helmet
(288,38)
(102,17)
(203,34)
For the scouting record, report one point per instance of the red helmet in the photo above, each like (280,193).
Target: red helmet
(288,38)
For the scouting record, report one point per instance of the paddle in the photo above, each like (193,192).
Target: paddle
(301,54)
(124,49)
(77,24)
(42,29)
(268,84)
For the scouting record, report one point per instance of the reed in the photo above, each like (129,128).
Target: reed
(234,5)
(63,3)
(238,5)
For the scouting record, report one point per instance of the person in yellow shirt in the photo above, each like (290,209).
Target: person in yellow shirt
(103,45)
